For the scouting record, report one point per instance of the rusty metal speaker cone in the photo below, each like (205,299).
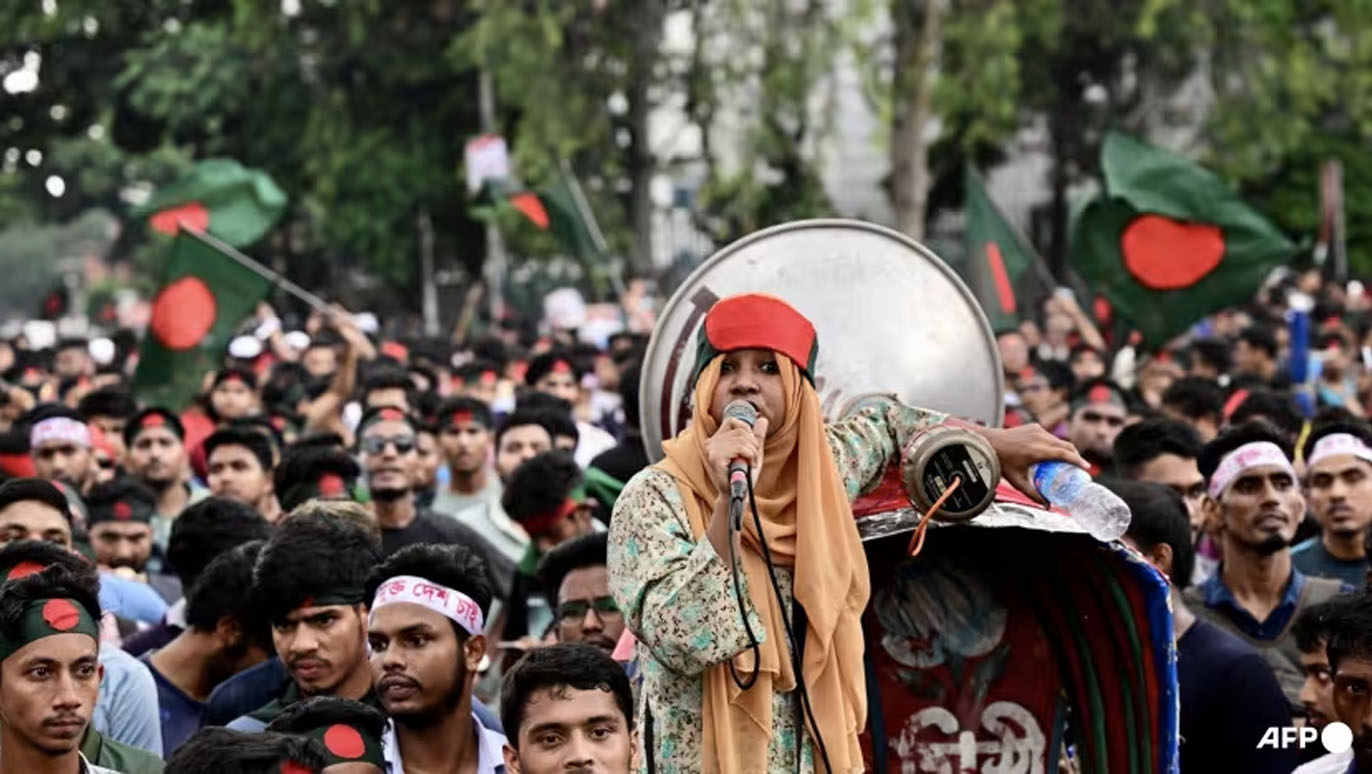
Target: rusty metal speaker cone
(892,319)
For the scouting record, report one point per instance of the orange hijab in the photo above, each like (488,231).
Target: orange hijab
(809,527)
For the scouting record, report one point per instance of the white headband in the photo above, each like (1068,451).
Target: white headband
(1250,455)
(440,599)
(59,429)
(1339,443)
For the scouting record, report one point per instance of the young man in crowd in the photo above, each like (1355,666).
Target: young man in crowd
(1043,390)
(568,707)
(1349,650)
(1098,412)
(119,518)
(315,473)
(223,751)
(1229,696)
(123,734)
(72,358)
(240,463)
(1197,402)
(1311,631)
(386,386)
(523,435)
(547,497)
(110,409)
(386,436)
(308,583)
(556,416)
(472,494)
(1338,459)
(1164,451)
(554,374)
(426,631)
(49,672)
(574,577)
(157,458)
(1253,507)
(234,395)
(222,637)
(34,509)
(1255,356)
(350,732)
(203,532)
(1208,359)
(430,459)
(60,444)
(1086,363)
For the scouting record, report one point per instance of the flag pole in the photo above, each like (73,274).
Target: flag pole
(262,271)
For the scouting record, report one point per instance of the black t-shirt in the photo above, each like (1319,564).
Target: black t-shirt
(429,527)
(1229,698)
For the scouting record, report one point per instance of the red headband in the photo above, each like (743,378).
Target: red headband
(24,569)
(546,521)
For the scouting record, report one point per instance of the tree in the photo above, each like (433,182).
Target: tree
(917,41)
(1291,90)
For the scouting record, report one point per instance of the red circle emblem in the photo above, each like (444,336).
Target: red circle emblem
(24,570)
(122,511)
(183,313)
(344,741)
(1166,254)
(193,215)
(61,614)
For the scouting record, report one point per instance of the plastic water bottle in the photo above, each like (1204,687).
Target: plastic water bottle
(1100,511)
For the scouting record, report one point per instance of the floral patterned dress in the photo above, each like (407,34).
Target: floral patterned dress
(678,596)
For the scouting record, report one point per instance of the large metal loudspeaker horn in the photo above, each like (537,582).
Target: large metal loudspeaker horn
(892,318)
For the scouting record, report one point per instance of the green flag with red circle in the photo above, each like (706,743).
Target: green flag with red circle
(205,294)
(1169,242)
(1005,272)
(235,204)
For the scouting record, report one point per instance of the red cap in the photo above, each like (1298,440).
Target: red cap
(762,321)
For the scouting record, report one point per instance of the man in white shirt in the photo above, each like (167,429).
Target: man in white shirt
(425,624)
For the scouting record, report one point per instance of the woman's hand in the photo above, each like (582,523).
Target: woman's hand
(734,440)
(1020,447)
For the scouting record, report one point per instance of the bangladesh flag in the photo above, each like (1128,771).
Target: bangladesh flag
(1005,272)
(1169,242)
(235,204)
(205,294)
(554,208)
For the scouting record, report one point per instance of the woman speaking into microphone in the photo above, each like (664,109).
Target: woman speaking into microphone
(784,690)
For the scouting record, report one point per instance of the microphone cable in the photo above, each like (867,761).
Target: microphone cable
(753,644)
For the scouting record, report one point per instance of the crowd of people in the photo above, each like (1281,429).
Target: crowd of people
(1244,452)
(350,554)
(346,555)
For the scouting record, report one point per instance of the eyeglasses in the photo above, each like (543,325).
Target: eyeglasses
(575,609)
(376,444)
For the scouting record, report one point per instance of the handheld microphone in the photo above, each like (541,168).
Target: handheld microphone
(738,469)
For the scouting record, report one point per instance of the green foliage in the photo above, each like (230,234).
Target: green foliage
(1293,88)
